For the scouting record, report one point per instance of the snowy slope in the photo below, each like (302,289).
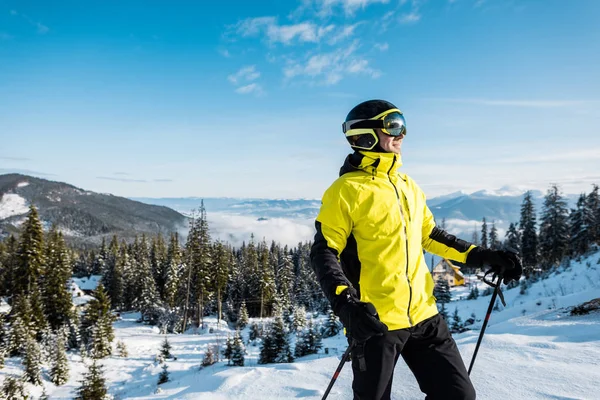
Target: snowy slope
(533,349)
(12,204)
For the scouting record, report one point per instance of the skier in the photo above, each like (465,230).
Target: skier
(372,228)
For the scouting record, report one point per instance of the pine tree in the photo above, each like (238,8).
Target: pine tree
(285,281)
(58,302)
(59,371)
(276,346)
(115,282)
(165,350)
(308,342)
(209,357)
(255,332)
(243,316)
(332,326)
(102,337)
(473,294)
(513,238)
(21,326)
(148,301)
(30,255)
(484,234)
(579,230)
(592,214)
(554,237)
(267,278)
(122,349)
(228,349)
(238,350)
(457,324)
(93,386)
(529,239)
(97,319)
(494,242)
(441,291)
(299,318)
(220,272)
(163,377)
(443,311)
(475,238)
(158,256)
(173,271)
(32,362)
(200,262)
(13,388)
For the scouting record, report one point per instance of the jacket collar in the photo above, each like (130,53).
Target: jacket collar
(374,163)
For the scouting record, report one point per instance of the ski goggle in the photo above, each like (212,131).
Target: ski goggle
(391,123)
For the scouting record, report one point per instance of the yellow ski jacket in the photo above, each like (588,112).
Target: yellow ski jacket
(372,228)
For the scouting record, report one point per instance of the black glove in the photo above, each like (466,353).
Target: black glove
(502,262)
(359,318)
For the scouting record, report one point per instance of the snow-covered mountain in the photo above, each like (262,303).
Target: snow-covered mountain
(83,216)
(532,349)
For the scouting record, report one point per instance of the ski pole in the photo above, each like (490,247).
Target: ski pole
(339,369)
(488,314)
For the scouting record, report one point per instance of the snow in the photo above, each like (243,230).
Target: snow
(22,184)
(532,349)
(12,204)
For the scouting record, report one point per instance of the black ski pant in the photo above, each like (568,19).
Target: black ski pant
(429,351)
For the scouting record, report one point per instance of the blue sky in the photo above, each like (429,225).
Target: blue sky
(246,99)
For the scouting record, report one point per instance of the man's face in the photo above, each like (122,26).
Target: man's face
(389,143)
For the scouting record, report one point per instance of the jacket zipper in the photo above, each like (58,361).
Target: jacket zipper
(405,240)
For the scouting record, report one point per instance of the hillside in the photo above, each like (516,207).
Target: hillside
(83,216)
(532,349)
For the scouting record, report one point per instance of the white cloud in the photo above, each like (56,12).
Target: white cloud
(253,88)
(236,229)
(350,6)
(225,53)
(382,46)
(331,67)
(343,33)
(247,74)
(275,33)
(410,18)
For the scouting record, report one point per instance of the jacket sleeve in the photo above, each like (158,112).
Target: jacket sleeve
(334,225)
(440,242)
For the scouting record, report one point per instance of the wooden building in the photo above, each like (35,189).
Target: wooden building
(448,271)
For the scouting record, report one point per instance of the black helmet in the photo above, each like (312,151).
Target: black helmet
(362,119)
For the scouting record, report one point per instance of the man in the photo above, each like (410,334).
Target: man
(368,257)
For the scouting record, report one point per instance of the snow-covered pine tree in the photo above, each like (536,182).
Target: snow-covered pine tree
(32,362)
(580,236)
(441,291)
(122,349)
(276,346)
(285,281)
(20,328)
(158,256)
(58,304)
(299,318)
(529,239)
(309,341)
(494,242)
(59,369)
(243,316)
(209,357)
(148,301)
(255,332)
(13,388)
(173,271)
(484,234)
(97,312)
(443,311)
(102,336)
(116,283)
(163,377)
(228,349)
(238,350)
(332,326)
(554,230)
(592,215)
(220,273)
(266,278)
(93,385)
(165,349)
(513,238)
(473,293)
(456,325)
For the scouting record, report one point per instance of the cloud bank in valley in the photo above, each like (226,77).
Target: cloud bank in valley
(236,229)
